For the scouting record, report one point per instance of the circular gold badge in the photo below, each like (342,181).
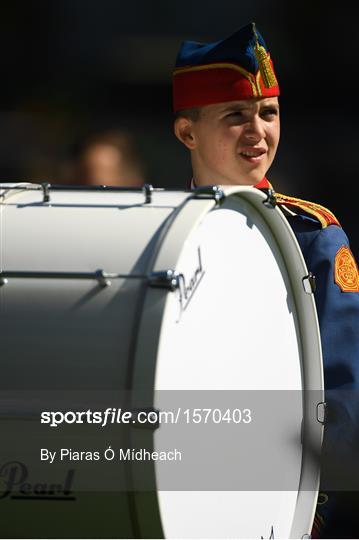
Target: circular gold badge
(346,271)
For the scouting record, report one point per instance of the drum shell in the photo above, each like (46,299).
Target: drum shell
(98,327)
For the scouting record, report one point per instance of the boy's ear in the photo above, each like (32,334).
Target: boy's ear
(183,128)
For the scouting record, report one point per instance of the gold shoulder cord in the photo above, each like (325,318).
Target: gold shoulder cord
(323,215)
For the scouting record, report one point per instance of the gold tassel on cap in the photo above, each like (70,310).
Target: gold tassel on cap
(268,77)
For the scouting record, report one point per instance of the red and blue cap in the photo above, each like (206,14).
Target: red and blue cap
(238,67)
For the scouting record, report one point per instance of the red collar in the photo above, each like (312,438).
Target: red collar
(263,184)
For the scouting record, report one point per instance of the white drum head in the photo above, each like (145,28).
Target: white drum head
(237,330)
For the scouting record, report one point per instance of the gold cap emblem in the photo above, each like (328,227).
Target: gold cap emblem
(268,77)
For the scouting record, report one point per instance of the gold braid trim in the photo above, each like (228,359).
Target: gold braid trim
(323,215)
(258,79)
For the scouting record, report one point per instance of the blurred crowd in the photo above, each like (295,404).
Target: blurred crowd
(105,158)
(72,68)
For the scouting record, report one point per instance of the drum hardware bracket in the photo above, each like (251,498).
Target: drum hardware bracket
(321,412)
(166,279)
(209,192)
(46,192)
(102,278)
(3,281)
(309,283)
(147,191)
(270,201)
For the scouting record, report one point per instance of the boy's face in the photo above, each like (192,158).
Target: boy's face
(233,142)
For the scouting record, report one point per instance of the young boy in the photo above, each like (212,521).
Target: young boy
(227,114)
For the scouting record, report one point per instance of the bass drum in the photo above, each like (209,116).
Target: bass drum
(175,298)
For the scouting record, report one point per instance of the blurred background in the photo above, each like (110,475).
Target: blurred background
(74,68)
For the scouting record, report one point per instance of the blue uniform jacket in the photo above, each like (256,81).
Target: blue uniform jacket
(338,313)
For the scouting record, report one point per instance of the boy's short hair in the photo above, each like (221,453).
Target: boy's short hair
(192,114)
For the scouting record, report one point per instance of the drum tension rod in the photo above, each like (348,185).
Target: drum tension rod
(103,278)
(270,201)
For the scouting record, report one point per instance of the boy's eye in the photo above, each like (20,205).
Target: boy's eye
(271,111)
(234,114)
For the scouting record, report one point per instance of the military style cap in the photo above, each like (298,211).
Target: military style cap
(238,67)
